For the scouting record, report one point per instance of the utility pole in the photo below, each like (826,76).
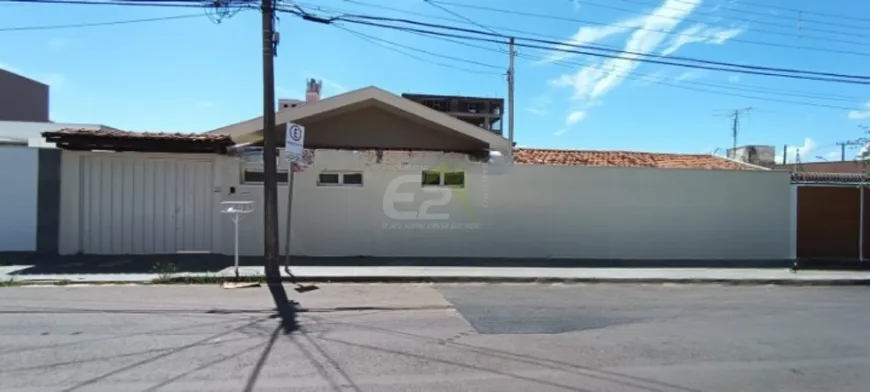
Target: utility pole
(270,149)
(843,146)
(735,124)
(510,77)
(842,151)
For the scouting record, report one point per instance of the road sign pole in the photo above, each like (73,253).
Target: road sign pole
(290,177)
(294,153)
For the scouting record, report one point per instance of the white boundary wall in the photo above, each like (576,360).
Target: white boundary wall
(532,211)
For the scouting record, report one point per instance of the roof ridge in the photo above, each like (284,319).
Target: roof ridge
(613,151)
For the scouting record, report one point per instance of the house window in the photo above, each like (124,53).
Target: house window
(339,179)
(256,176)
(454,179)
(431,178)
(449,179)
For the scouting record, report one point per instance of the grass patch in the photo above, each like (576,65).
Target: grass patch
(9,283)
(211,279)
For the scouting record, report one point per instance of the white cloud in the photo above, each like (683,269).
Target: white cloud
(540,105)
(833,155)
(560,132)
(575,117)
(58,43)
(722,36)
(591,83)
(652,78)
(690,75)
(734,78)
(337,87)
(804,150)
(860,114)
(589,35)
(204,104)
(700,33)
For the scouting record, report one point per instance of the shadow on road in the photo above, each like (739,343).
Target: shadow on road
(638,383)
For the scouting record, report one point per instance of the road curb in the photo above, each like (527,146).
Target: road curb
(495,280)
(455,279)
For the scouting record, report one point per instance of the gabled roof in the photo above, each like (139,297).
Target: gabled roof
(628,159)
(240,130)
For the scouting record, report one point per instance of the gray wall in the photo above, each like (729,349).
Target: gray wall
(22,99)
(31,201)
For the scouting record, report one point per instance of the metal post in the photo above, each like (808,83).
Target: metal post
(236,243)
(290,178)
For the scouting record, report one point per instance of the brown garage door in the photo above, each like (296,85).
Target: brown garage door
(827,224)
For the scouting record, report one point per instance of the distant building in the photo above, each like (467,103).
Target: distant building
(22,99)
(755,155)
(482,112)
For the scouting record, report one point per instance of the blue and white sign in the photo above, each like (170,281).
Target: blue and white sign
(294,142)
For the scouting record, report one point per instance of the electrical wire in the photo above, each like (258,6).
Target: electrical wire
(615,53)
(96,24)
(681,84)
(668,32)
(148,3)
(797,10)
(742,87)
(799,15)
(460,16)
(398,48)
(826,31)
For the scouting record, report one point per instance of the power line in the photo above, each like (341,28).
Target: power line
(96,24)
(668,32)
(385,44)
(681,84)
(735,18)
(630,56)
(742,87)
(460,16)
(145,3)
(797,10)
(798,15)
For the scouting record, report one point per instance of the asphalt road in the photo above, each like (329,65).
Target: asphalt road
(437,338)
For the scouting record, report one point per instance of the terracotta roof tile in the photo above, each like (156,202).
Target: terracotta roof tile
(108,133)
(626,159)
(844,178)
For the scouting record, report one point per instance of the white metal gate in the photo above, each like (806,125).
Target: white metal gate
(143,205)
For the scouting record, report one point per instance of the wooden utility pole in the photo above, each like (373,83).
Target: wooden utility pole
(270,149)
(510,76)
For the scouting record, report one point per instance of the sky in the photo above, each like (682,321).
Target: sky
(192,74)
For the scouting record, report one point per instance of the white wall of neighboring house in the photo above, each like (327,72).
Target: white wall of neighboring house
(19,174)
(532,211)
(30,133)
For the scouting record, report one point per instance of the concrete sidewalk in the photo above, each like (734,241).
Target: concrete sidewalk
(484,274)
